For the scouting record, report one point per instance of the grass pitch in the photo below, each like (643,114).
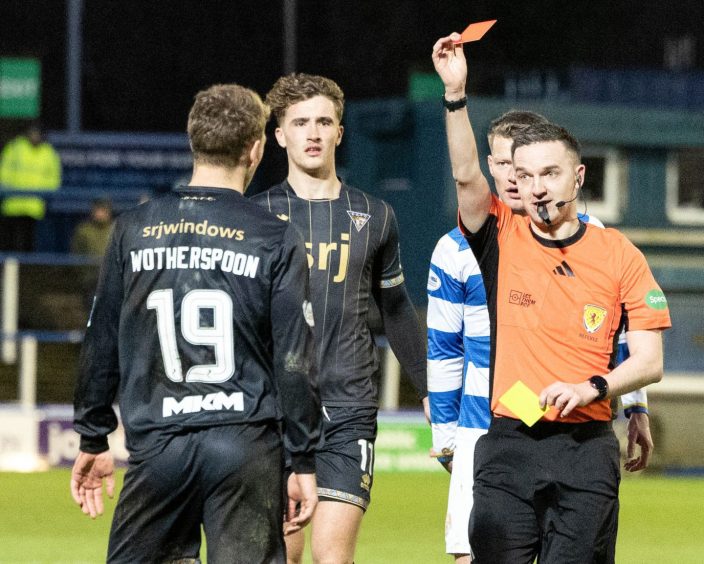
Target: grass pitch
(661,520)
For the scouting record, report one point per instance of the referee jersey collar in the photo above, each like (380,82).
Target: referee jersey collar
(560,243)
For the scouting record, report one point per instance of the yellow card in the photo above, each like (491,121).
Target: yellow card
(524,402)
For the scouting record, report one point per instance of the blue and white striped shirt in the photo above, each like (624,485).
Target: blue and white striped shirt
(458,342)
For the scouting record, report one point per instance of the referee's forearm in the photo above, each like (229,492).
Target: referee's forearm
(643,367)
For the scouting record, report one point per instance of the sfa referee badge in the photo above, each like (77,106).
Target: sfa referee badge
(594,317)
(359,219)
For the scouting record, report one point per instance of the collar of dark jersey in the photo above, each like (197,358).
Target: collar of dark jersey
(207,190)
(561,243)
(288,188)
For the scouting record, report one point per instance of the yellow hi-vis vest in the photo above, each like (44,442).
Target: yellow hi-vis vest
(26,167)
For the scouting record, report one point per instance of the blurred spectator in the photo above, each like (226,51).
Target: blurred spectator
(91,238)
(26,163)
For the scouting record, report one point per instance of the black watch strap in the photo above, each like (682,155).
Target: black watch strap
(454,104)
(600,384)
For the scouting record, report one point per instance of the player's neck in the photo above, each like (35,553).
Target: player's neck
(312,187)
(219,177)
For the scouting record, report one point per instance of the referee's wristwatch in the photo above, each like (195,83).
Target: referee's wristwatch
(454,105)
(600,384)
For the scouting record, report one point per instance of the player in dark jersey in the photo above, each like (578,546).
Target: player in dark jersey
(201,325)
(353,256)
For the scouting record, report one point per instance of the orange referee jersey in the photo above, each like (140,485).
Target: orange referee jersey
(555,306)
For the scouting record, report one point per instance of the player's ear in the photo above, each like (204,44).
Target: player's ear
(280,138)
(340,131)
(490,162)
(256,152)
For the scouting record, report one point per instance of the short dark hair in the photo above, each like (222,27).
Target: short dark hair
(298,87)
(544,133)
(224,122)
(511,122)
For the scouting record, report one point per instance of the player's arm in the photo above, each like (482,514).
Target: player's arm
(401,324)
(635,407)
(96,388)
(445,352)
(637,400)
(473,192)
(404,333)
(294,366)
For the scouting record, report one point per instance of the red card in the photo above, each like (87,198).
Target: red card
(475,31)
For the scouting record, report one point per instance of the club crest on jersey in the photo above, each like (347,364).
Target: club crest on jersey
(594,317)
(433,282)
(359,219)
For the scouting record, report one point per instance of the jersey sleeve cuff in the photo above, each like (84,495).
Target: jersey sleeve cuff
(94,445)
(303,463)
(635,409)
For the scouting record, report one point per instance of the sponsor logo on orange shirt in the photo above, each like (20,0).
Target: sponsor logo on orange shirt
(516,297)
(655,299)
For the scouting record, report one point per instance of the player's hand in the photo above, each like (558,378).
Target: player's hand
(87,477)
(565,397)
(293,493)
(450,64)
(302,500)
(446,455)
(638,434)
(447,466)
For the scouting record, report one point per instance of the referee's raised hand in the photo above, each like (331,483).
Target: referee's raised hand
(450,64)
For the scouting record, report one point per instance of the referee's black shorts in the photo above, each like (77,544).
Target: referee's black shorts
(550,491)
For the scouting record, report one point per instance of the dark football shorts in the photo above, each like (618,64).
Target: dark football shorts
(345,464)
(558,483)
(228,478)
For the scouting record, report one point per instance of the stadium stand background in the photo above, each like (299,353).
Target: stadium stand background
(636,100)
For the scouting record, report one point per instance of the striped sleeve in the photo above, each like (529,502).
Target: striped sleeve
(637,400)
(445,343)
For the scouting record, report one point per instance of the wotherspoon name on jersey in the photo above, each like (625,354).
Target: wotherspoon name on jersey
(202,258)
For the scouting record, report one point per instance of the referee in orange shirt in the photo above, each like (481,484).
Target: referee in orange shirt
(558,291)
